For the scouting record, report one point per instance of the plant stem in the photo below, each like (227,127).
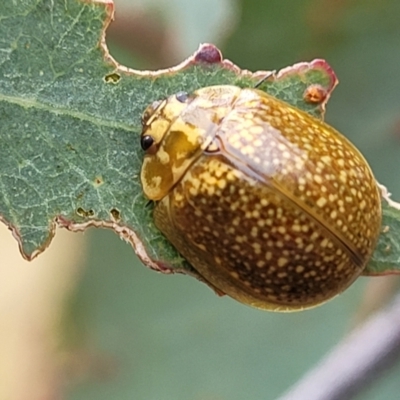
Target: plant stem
(355,362)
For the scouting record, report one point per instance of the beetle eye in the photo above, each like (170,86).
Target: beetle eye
(182,96)
(146,142)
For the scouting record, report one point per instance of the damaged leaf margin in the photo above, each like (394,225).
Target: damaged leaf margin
(104,104)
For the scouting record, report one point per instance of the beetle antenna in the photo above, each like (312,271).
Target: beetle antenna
(263,79)
(149,203)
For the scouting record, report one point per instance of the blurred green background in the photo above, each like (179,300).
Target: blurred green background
(152,337)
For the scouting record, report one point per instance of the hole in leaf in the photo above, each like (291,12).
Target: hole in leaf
(84,213)
(116,215)
(112,78)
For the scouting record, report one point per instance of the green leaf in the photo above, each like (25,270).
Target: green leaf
(70,123)
(386,257)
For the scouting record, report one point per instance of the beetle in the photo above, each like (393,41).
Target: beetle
(270,205)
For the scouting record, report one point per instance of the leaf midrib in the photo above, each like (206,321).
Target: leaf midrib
(58,110)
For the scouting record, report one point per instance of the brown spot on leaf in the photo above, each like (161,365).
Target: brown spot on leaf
(98,181)
(70,147)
